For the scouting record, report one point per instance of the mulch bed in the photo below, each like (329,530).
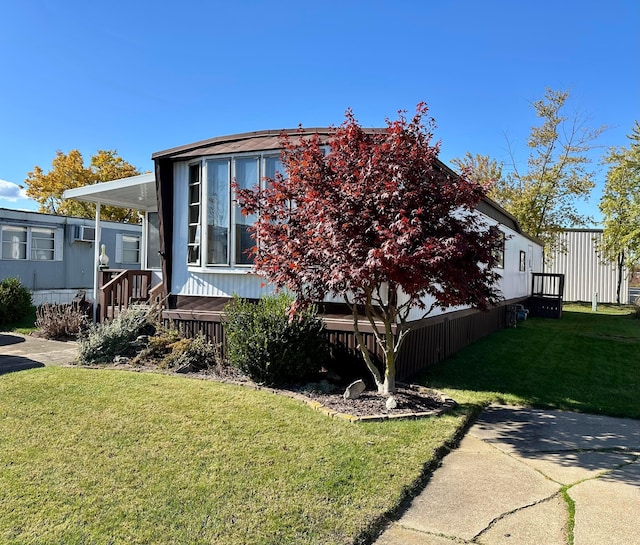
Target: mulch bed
(412,402)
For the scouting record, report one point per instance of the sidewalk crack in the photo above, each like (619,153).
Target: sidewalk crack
(513,511)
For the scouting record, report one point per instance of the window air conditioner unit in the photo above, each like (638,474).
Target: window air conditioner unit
(83,233)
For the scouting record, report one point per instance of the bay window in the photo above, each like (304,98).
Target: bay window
(226,238)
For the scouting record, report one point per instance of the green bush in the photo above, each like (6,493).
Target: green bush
(271,347)
(101,343)
(15,301)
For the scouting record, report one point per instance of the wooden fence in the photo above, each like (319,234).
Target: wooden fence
(430,341)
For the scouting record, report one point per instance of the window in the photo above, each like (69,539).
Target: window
(523,261)
(127,249)
(130,249)
(42,244)
(218,189)
(14,242)
(246,178)
(33,243)
(193,233)
(153,241)
(499,255)
(226,238)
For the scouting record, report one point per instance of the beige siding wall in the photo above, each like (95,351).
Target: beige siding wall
(584,270)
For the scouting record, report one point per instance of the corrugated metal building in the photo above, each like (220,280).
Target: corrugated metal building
(585,272)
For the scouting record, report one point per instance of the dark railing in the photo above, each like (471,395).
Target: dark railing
(120,289)
(547,290)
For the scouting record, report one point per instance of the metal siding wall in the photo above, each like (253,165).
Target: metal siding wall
(584,271)
(77,267)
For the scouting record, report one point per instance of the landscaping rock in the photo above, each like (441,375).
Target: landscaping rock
(354,389)
(391,403)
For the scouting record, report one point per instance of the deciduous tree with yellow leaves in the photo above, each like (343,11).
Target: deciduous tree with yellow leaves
(69,171)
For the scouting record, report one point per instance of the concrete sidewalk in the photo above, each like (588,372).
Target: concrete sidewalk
(20,352)
(516,476)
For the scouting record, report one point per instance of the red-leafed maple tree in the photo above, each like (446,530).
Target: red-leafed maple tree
(373,217)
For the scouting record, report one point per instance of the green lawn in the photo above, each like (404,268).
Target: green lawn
(585,361)
(108,457)
(103,456)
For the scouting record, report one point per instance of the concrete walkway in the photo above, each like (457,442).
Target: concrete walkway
(20,352)
(517,476)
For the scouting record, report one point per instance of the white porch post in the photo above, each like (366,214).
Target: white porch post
(143,242)
(96,258)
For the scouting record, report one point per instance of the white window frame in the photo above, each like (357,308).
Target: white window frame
(232,263)
(30,247)
(122,251)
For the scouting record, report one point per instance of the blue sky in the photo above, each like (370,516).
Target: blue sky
(143,76)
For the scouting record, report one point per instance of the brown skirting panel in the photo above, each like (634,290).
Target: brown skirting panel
(430,341)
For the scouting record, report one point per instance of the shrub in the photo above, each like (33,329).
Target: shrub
(636,308)
(15,301)
(270,346)
(158,347)
(196,354)
(101,343)
(60,321)
(168,349)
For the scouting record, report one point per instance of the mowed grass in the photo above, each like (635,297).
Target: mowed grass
(585,361)
(110,457)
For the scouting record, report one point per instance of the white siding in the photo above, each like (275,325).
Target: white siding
(585,272)
(227,281)
(58,297)
(513,282)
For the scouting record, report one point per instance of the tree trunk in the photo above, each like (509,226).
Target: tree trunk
(389,386)
(620,270)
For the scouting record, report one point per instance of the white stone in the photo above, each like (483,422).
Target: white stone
(354,389)
(391,403)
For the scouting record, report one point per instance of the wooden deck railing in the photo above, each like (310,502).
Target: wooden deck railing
(120,289)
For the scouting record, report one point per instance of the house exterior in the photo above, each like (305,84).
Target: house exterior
(586,272)
(203,236)
(54,256)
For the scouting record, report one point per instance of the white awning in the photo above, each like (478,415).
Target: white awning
(135,192)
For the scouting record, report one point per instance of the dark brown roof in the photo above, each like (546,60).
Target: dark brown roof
(243,142)
(270,140)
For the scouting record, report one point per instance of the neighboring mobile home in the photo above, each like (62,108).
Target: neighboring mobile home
(55,256)
(587,274)
(203,237)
